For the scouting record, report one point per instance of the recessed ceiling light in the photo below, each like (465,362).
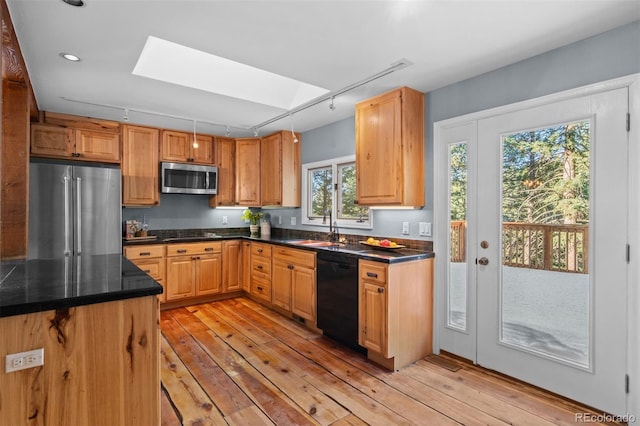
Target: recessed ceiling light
(174,63)
(70,57)
(77,3)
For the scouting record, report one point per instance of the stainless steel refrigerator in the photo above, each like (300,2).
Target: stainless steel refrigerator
(74,210)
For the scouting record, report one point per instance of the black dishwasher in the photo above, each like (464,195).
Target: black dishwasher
(337,297)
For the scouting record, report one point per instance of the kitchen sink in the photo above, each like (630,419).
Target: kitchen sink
(315,243)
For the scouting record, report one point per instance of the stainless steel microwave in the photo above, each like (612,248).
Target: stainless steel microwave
(178,178)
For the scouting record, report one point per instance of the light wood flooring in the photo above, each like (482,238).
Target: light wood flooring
(236,362)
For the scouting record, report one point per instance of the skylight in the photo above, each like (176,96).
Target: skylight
(173,63)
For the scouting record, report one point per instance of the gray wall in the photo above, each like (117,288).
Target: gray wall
(602,57)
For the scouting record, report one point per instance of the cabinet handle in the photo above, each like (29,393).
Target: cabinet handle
(147,271)
(259,267)
(259,288)
(182,251)
(380,290)
(372,275)
(208,249)
(259,250)
(144,253)
(290,266)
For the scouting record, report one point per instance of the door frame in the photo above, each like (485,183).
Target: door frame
(440,214)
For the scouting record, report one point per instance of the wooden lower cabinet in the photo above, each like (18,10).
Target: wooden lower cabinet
(232,262)
(261,271)
(396,311)
(150,258)
(294,281)
(193,269)
(246,266)
(101,365)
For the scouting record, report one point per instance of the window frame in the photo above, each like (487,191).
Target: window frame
(334,164)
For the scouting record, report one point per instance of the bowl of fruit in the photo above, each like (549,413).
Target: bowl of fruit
(384,244)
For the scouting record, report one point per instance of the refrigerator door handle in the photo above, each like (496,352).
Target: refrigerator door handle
(78,216)
(67,216)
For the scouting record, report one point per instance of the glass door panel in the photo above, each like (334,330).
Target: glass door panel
(457,285)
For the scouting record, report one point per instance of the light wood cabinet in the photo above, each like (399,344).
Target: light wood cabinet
(280,168)
(395,311)
(261,271)
(151,259)
(294,281)
(140,184)
(225,153)
(75,144)
(390,149)
(232,263)
(193,269)
(179,147)
(248,172)
(102,365)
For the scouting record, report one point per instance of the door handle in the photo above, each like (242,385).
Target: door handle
(483,261)
(79,215)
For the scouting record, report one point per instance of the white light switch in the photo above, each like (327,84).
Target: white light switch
(293,220)
(424,229)
(405,228)
(224,220)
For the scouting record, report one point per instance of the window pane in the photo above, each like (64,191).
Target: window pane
(348,209)
(457,306)
(320,181)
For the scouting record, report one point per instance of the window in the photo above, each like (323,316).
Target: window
(329,187)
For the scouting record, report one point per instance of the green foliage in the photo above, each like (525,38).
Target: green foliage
(252,216)
(458,181)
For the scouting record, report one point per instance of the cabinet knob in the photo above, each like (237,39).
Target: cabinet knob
(259,250)
(259,288)
(259,266)
(380,290)
(290,266)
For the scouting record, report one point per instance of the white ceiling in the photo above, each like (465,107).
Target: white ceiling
(330,44)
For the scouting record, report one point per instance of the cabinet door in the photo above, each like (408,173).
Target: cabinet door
(155,268)
(225,149)
(180,278)
(248,172)
(203,153)
(140,185)
(271,170)
(231,266)
(304,292)
(281,282)
(52,141)
(379,150)
(373,317)
(208,274)
(176,146)
(99,146)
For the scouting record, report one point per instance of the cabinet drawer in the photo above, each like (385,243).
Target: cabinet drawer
(263,250)
(299,257)
(260,267)
(143,252)
(155,268)
(373,272)
(194,248)
(261,289)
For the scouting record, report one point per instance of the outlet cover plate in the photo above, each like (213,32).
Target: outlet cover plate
(24,360)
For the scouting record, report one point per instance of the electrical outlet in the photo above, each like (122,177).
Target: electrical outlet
(405,228)
(424,229)
(293,220)
(279,220)
(225,220)
(24,360)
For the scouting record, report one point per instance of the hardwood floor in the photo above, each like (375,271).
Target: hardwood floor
(236,362)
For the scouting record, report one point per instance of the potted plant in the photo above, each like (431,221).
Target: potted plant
(254,219)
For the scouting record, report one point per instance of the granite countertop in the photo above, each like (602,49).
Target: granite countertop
(357,250)
(35,285)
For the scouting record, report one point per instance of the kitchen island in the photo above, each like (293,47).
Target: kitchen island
(96,318)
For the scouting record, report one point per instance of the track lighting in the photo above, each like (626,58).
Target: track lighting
(295,140)
(331,105)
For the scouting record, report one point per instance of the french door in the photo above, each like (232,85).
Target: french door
(534,275)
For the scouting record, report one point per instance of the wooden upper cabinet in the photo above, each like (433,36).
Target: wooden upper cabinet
(179,147)
(248,172)
(280,170)
(390,149)
(225,160)
(140,184)
(75,144)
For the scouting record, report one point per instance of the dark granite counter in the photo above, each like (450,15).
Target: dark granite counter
(348,249)
(43,284)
